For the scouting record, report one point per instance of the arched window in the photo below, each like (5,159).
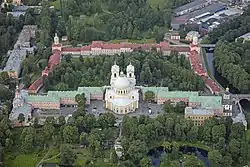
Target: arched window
(130,75)
(115,75)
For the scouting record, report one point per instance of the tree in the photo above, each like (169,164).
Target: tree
(215,158)
(80,99)
(145,162)
(149,96)
(61,120)
(106,120)
(191,161)
(70,134)
(227,161)
(137,150)
(113,156)
(83,137)
(67,156)
(8,143)
(21,118)
(217,132)
(36,123)
(166,145)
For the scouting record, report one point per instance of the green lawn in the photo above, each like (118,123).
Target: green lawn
(23,160)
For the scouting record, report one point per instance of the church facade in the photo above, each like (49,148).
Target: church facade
(122,97)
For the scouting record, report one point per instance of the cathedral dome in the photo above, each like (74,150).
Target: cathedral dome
(121,83)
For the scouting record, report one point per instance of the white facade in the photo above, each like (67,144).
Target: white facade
(122,97)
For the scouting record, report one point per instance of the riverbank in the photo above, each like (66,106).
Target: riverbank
(208,70)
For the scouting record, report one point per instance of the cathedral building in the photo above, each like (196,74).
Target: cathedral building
(122,97)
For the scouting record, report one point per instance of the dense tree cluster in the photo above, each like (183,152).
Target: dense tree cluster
(228,141)
(150,69)
(232,61)
(119,19)
(81,128)
(9,29)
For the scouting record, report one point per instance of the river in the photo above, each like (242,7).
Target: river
(223,81)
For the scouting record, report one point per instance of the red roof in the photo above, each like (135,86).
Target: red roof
(54,60)
(56,45)
(179,49)
(37,84)
(97,44)
(196,63)
(75,49)
(86,48)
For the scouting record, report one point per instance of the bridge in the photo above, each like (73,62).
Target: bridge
(179,44)
(241,96)
(207,45)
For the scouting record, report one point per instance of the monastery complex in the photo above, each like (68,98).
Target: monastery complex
(122,96)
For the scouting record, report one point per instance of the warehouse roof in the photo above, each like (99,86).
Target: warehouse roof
(213,8)
(189,5)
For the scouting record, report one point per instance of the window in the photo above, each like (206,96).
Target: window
(133,97)
(130,75)
(115,75)
(110,97)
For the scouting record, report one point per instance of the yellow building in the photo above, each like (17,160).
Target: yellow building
(198,115)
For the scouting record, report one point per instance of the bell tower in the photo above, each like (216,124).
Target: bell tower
(130,71)
(56,39)
(131,75)
(56,45)
(115,70)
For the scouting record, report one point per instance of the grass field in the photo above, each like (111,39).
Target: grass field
(23,160)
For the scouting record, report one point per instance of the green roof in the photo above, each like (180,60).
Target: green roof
(69,94)
(42,98)
(207,101)
(177,94)
(154,89)
(90,90)
(72,94)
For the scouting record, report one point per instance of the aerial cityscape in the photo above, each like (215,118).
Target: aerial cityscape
(124,83)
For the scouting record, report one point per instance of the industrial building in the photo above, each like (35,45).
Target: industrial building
(190,7)
(214,11)
(21,48)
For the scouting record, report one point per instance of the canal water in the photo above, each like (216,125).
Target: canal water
(223,81)
(157,154)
